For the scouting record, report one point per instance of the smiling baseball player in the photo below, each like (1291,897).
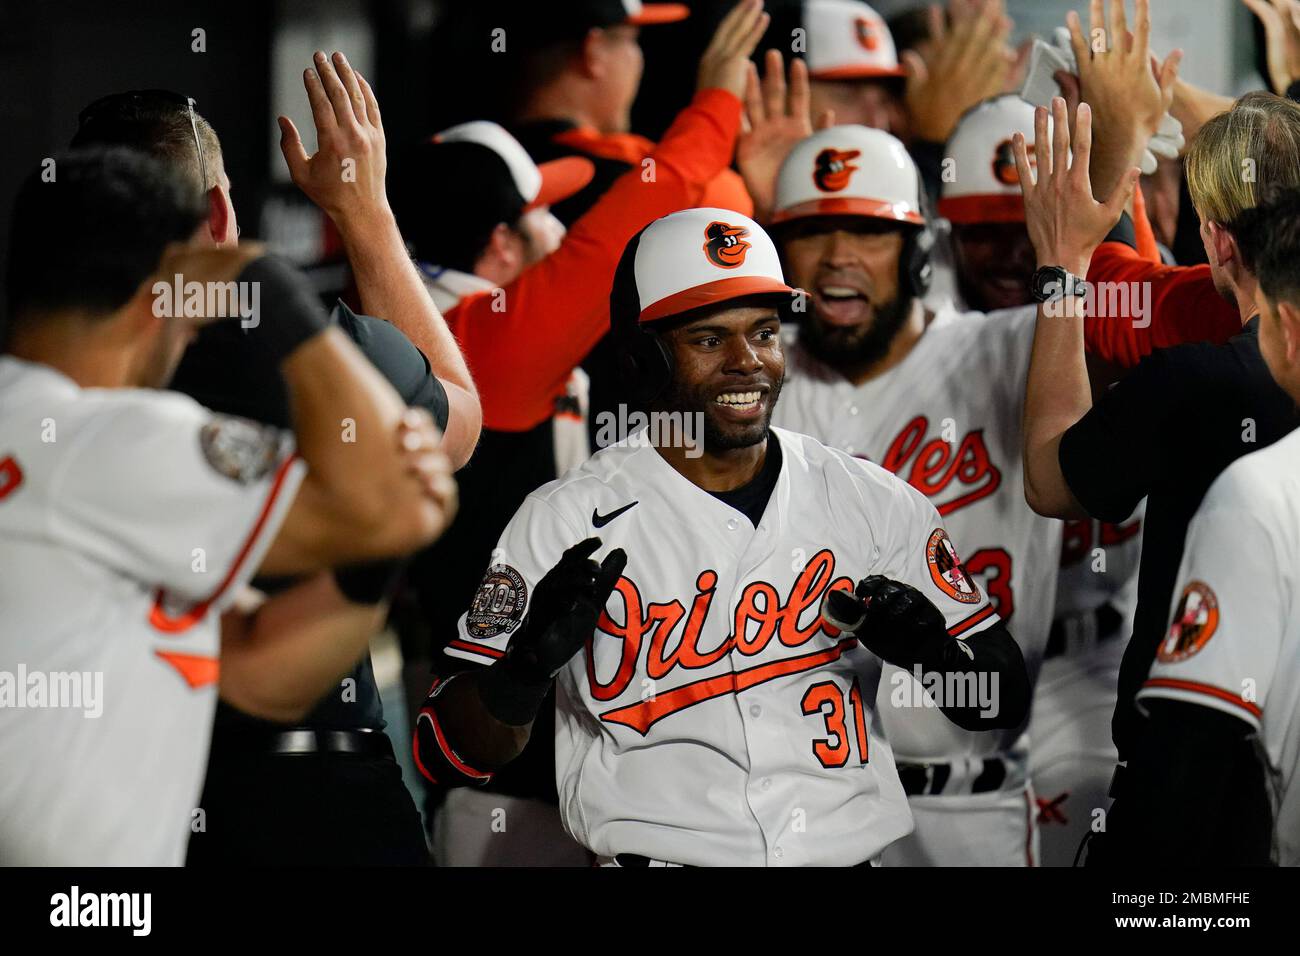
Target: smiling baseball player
(715,717)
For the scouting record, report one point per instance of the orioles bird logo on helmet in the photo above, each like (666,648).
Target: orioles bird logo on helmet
(867,33)
(1004,163)
(724,244)
(831,169)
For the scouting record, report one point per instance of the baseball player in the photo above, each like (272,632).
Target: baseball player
(714,718)
(154,513)
(1222,704)
(1070,747)
(937,401)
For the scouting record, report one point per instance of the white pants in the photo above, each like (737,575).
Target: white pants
(478,828)
(981,829)
(1071,752)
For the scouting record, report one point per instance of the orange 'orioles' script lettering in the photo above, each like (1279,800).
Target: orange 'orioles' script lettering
(930,467)
(759,609)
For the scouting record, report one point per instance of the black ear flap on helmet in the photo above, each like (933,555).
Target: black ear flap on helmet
(915,263)
(644,359)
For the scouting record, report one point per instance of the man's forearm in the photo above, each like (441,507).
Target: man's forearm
(280,660)
(391,289)
(997,676)
(1193,106)
(471,730)
(1057,394)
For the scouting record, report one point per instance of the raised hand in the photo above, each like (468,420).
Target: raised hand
(1128,98)
(776,118)
(969,63)
(345,176)
(1065,222)
(725,63)
(1281,20)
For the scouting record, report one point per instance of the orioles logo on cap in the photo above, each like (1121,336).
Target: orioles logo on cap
(1004,163)
(1195,622)
(724,244)
(831,169)
(867,33)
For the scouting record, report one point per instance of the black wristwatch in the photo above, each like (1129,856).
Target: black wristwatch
(1052,282)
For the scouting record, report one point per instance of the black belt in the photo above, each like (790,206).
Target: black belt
(634,859)
(929,779)
(1106,619)
(303,740)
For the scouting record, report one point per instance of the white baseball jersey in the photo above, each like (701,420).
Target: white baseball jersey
(129,518)
(714,719)
(947,419)
(1234,637)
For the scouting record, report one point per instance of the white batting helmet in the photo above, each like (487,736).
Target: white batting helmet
(847,40)
(695,258)
(985,186)
(849,171)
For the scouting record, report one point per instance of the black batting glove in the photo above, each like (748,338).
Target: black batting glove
(566,605)
(893,620)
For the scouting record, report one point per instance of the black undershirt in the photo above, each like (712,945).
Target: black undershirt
(751,499)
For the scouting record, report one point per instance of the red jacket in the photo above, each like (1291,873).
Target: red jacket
(521,342)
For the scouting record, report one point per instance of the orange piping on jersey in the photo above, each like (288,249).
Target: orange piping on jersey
(961,627)
(482,649)
(198,670)
(175,625)
(1209,690)
(643,715)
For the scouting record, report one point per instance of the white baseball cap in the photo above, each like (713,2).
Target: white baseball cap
(538,185)
(847,40)
(986,185)
(849,171)
(695,258)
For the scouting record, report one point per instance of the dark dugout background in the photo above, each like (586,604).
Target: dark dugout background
(432,67)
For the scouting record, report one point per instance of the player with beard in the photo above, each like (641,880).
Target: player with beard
(715,713)
(936,399)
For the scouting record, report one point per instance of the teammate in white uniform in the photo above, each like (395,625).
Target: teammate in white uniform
(130,518)
(1071,751)
(936,400)
(1222,698)
(715,718)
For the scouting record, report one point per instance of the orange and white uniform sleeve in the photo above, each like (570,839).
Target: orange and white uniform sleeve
(529,547)
(926,558)
(199,527)
(523,341)
(1231,609)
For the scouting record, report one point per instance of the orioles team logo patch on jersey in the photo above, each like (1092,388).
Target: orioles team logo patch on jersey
(1195,621)
(831,169)
(946,569)
(499,603)
(1004,163)
(725,244)
(239,449)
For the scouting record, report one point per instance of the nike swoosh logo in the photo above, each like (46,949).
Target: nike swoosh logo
(599,520)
